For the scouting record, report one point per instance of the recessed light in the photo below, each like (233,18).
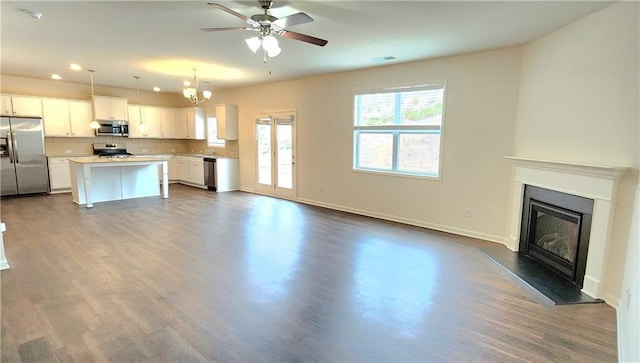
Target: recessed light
(55,76)
(186,83)
(32,14)
(156,89)
(75,67)
(383,59)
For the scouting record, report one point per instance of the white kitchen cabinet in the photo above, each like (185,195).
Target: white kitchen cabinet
(21,106)
(59,175)
(191,123)
(110,108)
(182,130)
(80,117)
(168,123)
(182,168)
(55,114)
(227,174)
(196,171)
(144,122)
(173,167)
(151,121)
(227,122)
(135,129)
(190,170)
(66,118)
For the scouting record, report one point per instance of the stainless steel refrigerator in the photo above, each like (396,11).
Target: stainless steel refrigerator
(23,164)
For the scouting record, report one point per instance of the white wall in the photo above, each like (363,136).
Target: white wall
(629,308)
(578,101)
(481,98)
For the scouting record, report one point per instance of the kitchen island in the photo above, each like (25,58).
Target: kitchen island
(96,179)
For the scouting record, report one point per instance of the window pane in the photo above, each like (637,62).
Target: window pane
(419,153)
(212,132)
(376,109)
(375,150)
(264,154)
(422,107)
(285,156)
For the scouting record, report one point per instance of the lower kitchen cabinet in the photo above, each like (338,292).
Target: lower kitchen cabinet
(227,174)
(190,170)
(59,175)
(196,171)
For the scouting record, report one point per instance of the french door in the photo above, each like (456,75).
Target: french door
(275,154)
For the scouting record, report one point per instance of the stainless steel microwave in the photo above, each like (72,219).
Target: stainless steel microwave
(113,128)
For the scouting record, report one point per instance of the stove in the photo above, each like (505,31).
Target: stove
(111,151)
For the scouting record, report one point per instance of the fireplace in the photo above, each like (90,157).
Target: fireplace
(555,231)
(598,183)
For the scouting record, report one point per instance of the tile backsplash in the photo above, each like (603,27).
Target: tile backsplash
(82,146)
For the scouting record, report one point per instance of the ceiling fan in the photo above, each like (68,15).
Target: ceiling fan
(267,25)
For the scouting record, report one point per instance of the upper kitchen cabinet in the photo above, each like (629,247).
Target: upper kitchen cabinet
(191,123)
(110,108)
(168,123)
(21,106)
(67,118)
(227,121)
(144,121)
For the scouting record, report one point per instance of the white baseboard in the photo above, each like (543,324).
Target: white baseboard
(4,264)
(412,222)
(611,301)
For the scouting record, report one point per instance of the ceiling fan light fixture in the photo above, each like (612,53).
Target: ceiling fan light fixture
(270,43)
(253,43)
(273,52)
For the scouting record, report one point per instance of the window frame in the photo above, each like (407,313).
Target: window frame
(396,130)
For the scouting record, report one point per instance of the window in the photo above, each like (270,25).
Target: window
(399,130)
(212,132)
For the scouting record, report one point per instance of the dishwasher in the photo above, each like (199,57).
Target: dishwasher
(210,173)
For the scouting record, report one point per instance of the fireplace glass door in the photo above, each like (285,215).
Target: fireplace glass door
(555,234)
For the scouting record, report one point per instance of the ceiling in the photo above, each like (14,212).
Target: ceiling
(160,41)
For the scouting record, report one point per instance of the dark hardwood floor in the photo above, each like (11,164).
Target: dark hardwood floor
(241,277)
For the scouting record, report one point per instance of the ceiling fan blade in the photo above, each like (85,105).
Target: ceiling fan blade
(227,29)
(304,38)
(294,19)
(234,13)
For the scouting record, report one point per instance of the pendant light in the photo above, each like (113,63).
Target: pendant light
(141,124)
(94,124)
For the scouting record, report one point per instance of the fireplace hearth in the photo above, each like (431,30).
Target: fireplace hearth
(555,231)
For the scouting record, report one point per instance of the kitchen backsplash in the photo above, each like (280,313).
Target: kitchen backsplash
(82,146)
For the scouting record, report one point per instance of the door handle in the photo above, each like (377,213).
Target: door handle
(10,147)
(15,147)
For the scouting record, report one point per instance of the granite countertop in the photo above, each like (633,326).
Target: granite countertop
(138,156)
(97,160)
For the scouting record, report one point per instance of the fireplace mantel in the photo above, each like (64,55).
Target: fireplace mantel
(597,182)
(611,171)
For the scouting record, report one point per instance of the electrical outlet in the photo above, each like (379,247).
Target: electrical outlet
(321,189)
(144,150)
(467,212)
(628,296)
(173,150)
(67,151)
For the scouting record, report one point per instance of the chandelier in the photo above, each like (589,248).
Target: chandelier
(191,93)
